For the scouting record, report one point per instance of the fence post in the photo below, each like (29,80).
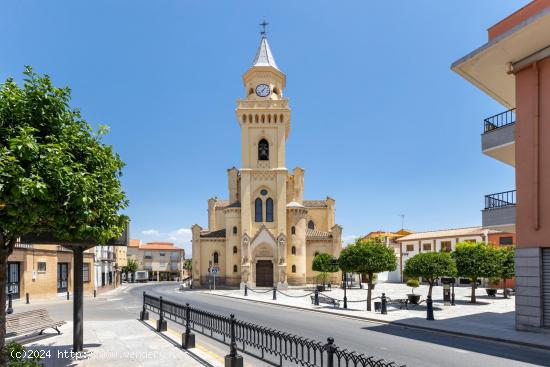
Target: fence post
(384,310)
(316,297)
(68,296)
(233,359)
(144,314)
(330,351)
(10,307)
(429,309)
(27,297)
(95,293)
(245,290)
(161,322)
(188,338)
(274,293)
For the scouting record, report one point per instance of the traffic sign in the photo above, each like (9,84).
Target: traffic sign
(215,270)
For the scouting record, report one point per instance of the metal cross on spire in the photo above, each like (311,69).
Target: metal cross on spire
(264,25)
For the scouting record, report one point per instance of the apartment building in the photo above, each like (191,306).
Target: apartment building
(45,271)
(104,268)
(163,260)
(513,68)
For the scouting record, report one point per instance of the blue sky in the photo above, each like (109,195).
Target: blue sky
(380,122)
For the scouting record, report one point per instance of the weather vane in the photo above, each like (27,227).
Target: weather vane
(264,25)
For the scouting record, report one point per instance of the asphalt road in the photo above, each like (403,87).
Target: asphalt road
(412,347)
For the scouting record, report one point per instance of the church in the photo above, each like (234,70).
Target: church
(265,234)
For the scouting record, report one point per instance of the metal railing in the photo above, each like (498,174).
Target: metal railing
(500,200)
(499,120)
(23,245)
(273,346)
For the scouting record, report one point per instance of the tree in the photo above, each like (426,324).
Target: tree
(413,283)
(430,266)
(506,265)
(131,267)
(368,257)
(56,174)
(475,260)
(188,264)
(323,264)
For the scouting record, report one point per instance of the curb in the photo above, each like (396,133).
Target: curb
(397,323)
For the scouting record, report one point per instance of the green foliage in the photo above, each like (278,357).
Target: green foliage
(367,257)
(17,356)
(475,260)
(430,266)
(131,266)
(188,264)
(56,174)
(413,283)
(323,263)
(506,261)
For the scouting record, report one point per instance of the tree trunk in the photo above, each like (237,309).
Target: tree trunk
(505,289)
(6,248)
(430,288)
(369,291)
(474,286)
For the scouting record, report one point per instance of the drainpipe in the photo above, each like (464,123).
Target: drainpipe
(536,158)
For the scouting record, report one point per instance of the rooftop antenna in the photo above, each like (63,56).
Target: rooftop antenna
(402,220)
(264,25)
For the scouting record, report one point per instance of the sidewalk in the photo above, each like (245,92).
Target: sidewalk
(491,318)
(112,343)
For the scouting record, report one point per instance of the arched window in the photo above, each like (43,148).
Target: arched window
(293,230)
(235,230)
(234,249)
(263,150)
(269,210)
(311,225)
(250,91)
(216,257)
(293,250)
(294,268)
(244,118)
(258,210)
(235,269)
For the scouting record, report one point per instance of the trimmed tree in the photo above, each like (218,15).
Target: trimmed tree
(131,267)
(56,174)
(430,266)
(323,264)
(475,260)
(506,265)
(368,258)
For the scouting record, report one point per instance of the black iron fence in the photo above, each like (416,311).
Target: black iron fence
(500,200)
(499,120)
(275,347)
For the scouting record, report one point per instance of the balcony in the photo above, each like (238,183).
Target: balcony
(499,135)
(500,211)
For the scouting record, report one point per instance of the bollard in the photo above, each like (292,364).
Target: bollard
(384,310)
(316,297)
(162,325)
(233,359)
(144,314)
(187,338)
(274,293)
(453,295)
(246,290)
(95,293)
(430,309)
(10,307)
(68,295)
(331,349)
(27,297)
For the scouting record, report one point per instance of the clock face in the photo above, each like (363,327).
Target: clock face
(263,90)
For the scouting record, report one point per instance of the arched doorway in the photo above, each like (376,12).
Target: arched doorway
(264,273)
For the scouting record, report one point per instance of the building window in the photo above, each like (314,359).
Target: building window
(216,257)
(410,248)
(426,247)
(269,210)
(446,246)
(86,272)
(235,269)
(258,210)
(506,240)
(263,192)
(162,253)
(234,249)
(293,230)
(41,267)
(311,224)
(294,268)
(148,255)
(293,250)
(235,230)
(263,150)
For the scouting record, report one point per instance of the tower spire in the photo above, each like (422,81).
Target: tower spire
(264,57)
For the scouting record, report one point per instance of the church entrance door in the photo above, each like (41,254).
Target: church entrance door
(264,273)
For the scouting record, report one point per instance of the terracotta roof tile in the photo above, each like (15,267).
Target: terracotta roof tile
(313,233)
(456,232)
(315,204)
(220,233)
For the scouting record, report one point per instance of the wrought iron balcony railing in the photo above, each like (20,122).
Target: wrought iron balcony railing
(499,120)
(500,200)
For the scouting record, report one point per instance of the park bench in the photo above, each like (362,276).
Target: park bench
(326,300)
(30,322)
(398,302)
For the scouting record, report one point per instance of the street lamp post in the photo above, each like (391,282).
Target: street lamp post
(344,275)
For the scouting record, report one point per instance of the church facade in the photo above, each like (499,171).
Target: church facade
(265,233)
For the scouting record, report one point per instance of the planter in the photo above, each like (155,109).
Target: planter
(320,288)
(413,298)
(491,292)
